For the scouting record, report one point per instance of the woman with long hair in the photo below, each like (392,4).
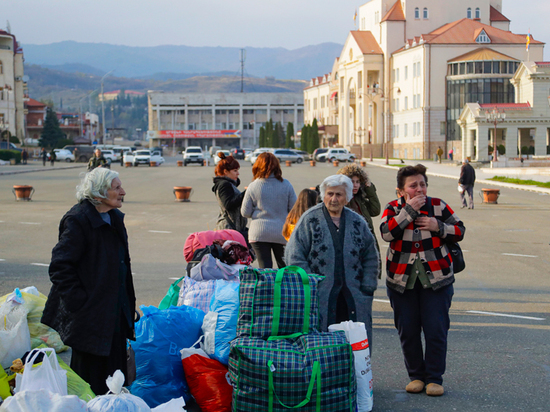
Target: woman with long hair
(267,202)
(306,199)
(229,197)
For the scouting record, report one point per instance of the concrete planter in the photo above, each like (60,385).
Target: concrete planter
(180,163)
(183,193)
(335,163)
(288,163)
(23,192)
(128,164)
(153,164)
(312,163)
(490,195)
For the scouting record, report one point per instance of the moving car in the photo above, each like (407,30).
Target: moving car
(193,154)
(217,158)
(83,153)
(286,154)
(146,157)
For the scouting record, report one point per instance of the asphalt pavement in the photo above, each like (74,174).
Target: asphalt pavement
(498,354)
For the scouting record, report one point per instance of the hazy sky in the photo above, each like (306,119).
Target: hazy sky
(239,23)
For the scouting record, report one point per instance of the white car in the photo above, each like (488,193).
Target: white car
(63,155)
(193,154)
(217,158)
(146,157)
(110,155)
(258,152)
(337,153)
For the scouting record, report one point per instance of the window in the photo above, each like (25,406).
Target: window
(396,105)
(1,68)
(478,13)
(192,126)
(322,102)
(416,13)
(315,103)
(223,111)
(406,130)
(396,75)
(396,130)
(406,72)
(469,13)
(483,38)
(425,13)
(442,128)
(406,104)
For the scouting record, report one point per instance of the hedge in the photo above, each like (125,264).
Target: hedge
(10,154)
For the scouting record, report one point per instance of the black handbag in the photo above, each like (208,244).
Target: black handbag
(458,257)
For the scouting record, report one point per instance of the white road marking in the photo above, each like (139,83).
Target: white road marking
(40,264)
(504,315)
(30,223)
(514,254)
(159,231)
(2,260)
(381,300)
(173,278)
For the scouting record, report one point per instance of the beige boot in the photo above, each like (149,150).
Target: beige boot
(433,389)
(415,386)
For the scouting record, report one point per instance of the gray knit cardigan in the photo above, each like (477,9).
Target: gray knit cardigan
(267,202)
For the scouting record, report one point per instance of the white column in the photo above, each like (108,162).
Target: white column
(511,141)
(482,143)
(158,117)
(186,107)
(540,140)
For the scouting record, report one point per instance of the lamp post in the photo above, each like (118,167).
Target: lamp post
(495,116)
(103,107)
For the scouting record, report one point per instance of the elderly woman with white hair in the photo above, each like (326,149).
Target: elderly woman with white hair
(92,301)
(333,241)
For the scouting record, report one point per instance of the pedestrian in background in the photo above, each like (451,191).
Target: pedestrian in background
(306,199)
(92,301)
(466,181)
(229,197)
(451,153)
(267,201)
(44,156)
(97,160)
(53,157)
(24,156)
(420,277)
(439,153)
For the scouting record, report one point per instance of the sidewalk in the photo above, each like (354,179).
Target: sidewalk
(33,166)
(450,170)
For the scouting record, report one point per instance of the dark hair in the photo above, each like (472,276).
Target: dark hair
(409,171)
(266,165)
(306,199)
(226,164)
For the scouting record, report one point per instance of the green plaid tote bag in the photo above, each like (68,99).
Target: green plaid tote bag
(278,302)
(313,373)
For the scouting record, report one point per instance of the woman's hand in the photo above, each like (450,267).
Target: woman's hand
(427,223)
(415,202)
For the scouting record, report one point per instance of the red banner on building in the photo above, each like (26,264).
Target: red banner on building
(193,134)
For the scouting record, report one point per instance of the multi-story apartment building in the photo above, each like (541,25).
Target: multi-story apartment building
(408,71)
(218,119)
(12,86)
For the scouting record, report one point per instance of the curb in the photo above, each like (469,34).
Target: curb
(39,170)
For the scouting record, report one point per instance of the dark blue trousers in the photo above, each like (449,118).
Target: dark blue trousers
(423,310)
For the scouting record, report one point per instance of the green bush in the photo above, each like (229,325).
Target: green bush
(501,149)
(10,154)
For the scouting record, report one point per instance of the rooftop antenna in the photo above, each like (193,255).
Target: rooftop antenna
(243,58)
(8,27)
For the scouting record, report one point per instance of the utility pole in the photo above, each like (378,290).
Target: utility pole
(103,107)
(243,58)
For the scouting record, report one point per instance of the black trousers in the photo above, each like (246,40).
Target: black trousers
(423,310)
(263,254)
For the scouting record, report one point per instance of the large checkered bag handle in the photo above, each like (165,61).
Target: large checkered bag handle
(277,301)
(315,377)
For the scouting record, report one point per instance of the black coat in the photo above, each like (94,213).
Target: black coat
(467,175)
(230,200)
(86,302)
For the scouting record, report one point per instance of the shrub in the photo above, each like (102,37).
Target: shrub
(10,154)
(501,149)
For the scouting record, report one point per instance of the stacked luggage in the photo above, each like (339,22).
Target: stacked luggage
(280,359)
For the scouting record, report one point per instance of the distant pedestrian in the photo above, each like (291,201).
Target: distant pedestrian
(467,180)
(44,156)
(451,153)
(75,154)
(24,156)
(53,157)
(439,153)
(97,160)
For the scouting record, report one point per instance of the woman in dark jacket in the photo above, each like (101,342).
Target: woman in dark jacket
(229,197)
(92,301)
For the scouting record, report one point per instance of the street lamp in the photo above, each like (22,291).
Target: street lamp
(103,106)
(80,103)
(495,116)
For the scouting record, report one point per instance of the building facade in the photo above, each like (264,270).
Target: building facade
(405,75)
(227,120)
(12,86)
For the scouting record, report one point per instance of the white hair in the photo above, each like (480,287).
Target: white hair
(337,180)
(95,184)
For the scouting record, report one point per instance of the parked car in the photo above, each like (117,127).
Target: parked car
(193,154)
(63,155)
(286,154)
(257,152)
(9,146)
(238,154)
(146,157)
(337,153)
(217,158)
(318,152)
(302,153)
(83,153)
(110,155)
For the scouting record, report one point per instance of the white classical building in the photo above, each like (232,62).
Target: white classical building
(227,120)
(405,75)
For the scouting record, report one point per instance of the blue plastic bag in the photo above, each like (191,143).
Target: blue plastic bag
(160,335)
(220,324)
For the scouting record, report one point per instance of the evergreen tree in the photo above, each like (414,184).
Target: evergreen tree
(304,138)
(277,132)
(289,143)
(262,137)
(269,133)
(313,137)
(51,133)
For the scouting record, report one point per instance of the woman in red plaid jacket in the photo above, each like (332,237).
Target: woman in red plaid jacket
(420,276)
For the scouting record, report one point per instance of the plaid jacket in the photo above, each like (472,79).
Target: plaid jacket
(406,240)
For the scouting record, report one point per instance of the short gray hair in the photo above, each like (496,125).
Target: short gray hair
(337,180)
(95,184)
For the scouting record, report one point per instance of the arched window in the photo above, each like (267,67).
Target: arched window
(478,13)
(469,13)
(416,13)
(425,13)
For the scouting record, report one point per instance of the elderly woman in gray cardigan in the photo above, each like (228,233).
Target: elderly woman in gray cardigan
(334,241)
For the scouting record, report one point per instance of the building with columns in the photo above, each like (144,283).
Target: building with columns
(523,124)
(406,73)
(227,120)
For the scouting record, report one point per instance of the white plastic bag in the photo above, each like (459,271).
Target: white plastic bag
(42,401)
(15,338)
(175,405)
(460,188)
(48,375)
(118,399)
(212,268)
(357,337)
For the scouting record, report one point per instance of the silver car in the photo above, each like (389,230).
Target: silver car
(286,154)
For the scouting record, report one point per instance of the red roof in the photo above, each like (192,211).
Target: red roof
(506,106)
(496,15)
(34,103)
(395,13)
(366,42)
